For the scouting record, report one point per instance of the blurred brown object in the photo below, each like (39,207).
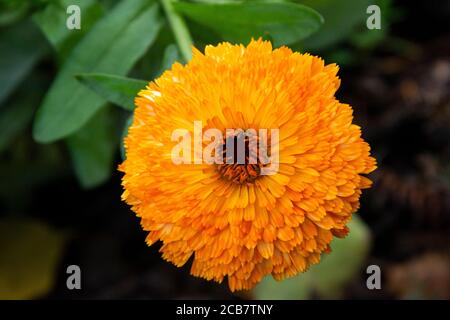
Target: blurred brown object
(424,277)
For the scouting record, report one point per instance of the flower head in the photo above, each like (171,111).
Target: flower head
(232,220)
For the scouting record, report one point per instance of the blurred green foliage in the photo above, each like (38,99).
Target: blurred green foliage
(21,47)
(141,38)
(112,46)
(51,19)
(286,22)
(119,90)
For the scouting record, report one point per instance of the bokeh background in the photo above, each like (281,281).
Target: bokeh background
(60,201)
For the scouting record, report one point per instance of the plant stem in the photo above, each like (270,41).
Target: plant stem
(179,29)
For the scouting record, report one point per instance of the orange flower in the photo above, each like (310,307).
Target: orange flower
(233,221)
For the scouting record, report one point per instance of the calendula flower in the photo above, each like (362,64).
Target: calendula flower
(229,218)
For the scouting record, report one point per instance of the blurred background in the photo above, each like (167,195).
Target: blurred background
(60,189)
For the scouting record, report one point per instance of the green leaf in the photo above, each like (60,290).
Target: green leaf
(17,113)
(118,90)
(329,277)
(24,177)
(238,22)
(30,254)
(341,18)
(21,47)
(52,21)
(368,39)
(113,46)
(92,149)
(149,67)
